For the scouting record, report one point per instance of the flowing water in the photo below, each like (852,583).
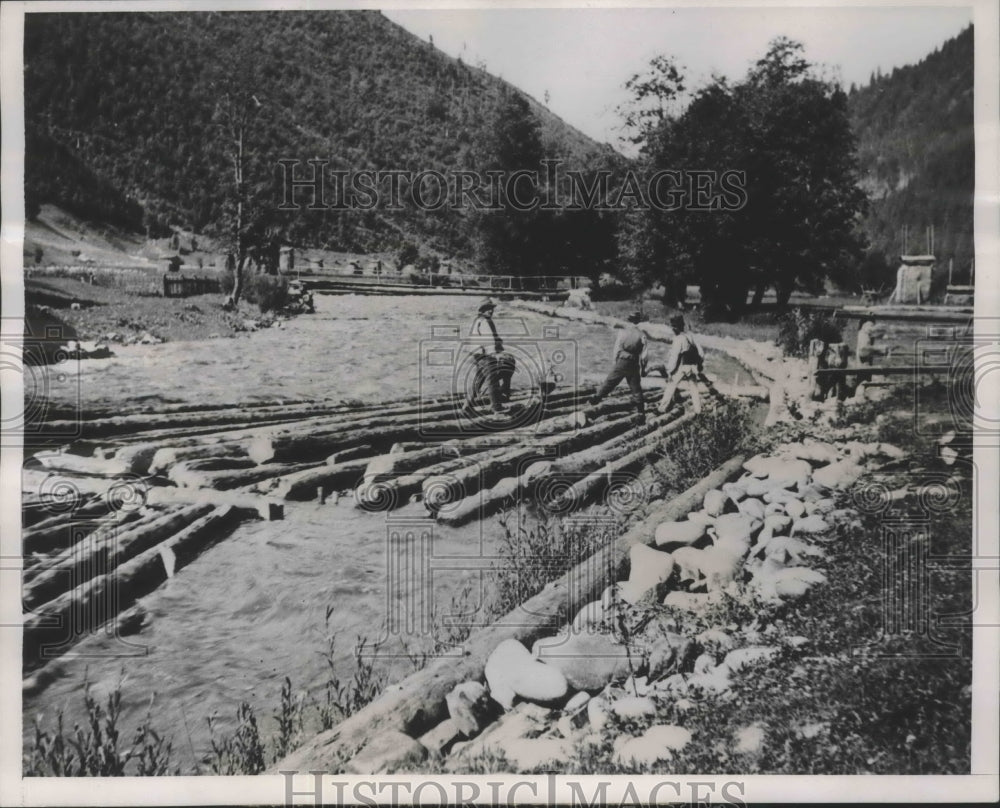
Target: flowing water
(251,610)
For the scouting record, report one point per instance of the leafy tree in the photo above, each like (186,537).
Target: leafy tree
(788,132)
(508,238)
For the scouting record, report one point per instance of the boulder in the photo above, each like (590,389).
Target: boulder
(597,713)
(778,523)
(695,602)
(469,707)
(795,508)
(717,503)
(649,568)
(666,654)
(701,517)
(634,707)
(810,524)
(753,507)
(789,472)
(655,744)
(525,754)
(838,476)
(511,671)
(749,740)
(586,661)
(683,533)
(736,491)
(590,616)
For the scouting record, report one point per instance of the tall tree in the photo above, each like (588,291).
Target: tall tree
(787,132)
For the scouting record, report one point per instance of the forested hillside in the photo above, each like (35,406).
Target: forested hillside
(916,150)
(126,118)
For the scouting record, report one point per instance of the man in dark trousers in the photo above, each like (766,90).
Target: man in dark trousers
(493,371)
(628,356)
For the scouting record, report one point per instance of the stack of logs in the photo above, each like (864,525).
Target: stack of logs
(111,515)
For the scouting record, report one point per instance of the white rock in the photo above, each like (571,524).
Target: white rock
(741,658)
(587,661)
(655,744)
(716,503)
(779,523)
(795,508)
(810,524)
(512,671)
(790,473)
(696,602)
(577,702)
(684,532)
(634,707)
(467,707)
(526,754)
(752,507)
(597,713)
(758,487)
(735,490)
(701,517)
(715,636)
(716,681)
(705,663)
(750,740)
(649,568)
(736,526)
(839,475)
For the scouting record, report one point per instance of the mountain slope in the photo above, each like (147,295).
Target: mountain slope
(132,101)
(916,150)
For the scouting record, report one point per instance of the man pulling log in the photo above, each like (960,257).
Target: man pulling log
(493,371)
(628,355)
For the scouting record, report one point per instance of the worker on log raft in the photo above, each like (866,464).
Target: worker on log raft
(685,365)
(629,355)
(493,371)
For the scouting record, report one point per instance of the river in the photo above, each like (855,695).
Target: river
(251,610)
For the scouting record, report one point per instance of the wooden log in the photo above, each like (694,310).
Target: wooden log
(59,535)
(105,551)
(616,459)
(417,704)
(104,596)
(465,483)
(213,472)
(163,459)
(584,490)
(247,503)
(302,485)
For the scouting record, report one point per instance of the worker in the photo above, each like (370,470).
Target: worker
(866,350)
(493,370)
(628,356)
(685,365)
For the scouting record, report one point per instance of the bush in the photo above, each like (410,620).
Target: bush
(269,292)
(798,328)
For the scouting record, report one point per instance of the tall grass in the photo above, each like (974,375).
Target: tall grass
(96,749)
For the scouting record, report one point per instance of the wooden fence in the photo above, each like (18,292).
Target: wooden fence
(180,286)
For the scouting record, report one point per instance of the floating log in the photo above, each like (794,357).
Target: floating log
(417,704)
(58,535)
(104,551)
(464,483)
(227,473)
(163,459)
(302,485)
(247,503)
(58,623)
(584,490)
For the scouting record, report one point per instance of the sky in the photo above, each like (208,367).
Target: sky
(582,57)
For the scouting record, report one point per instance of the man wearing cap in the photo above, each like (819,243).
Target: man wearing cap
(493,371)
(685,364)
(629,355)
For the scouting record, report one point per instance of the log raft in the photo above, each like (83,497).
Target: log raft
(148,491)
